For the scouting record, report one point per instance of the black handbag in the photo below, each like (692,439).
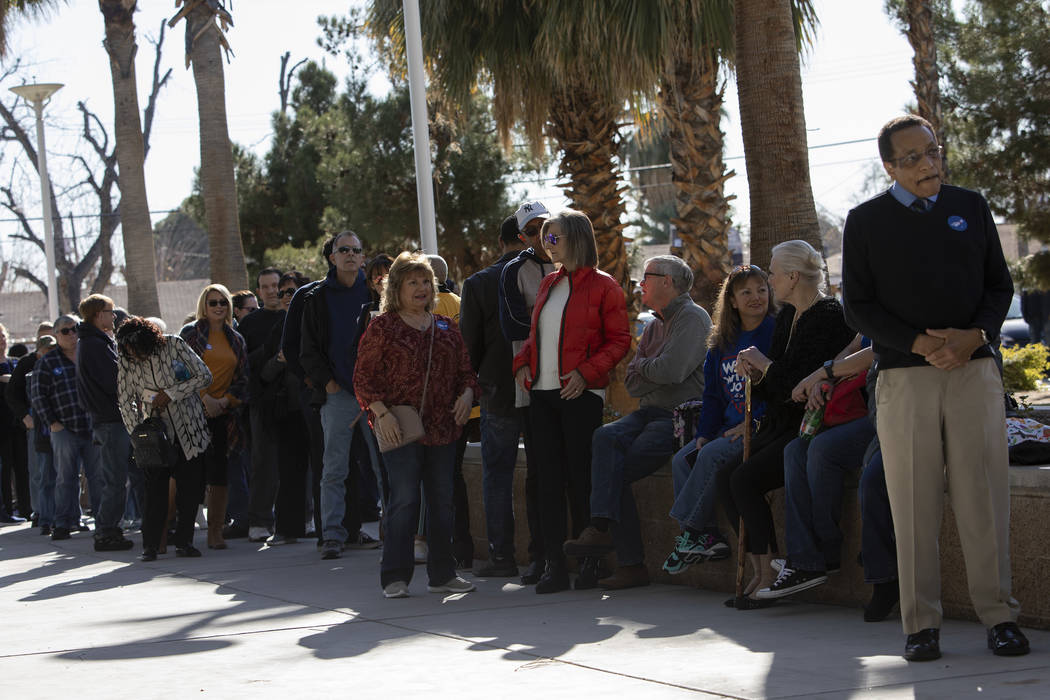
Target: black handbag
(152,446)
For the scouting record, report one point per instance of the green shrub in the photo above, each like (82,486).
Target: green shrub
(1024,366)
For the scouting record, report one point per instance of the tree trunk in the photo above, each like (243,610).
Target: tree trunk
(586,129)
(774,128)
(690,101)
(926,84)
(136,227)
(217,177)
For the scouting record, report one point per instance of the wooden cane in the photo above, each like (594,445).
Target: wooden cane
(741,541)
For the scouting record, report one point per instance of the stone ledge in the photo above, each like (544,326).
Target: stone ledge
(1029,533)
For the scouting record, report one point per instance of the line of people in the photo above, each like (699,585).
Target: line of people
(365,379)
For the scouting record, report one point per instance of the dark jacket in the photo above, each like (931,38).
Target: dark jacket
(519,283)
(291,334)
(490,351)
(97,374)
(17,394)
(256,329)
(594,332)
(314,354)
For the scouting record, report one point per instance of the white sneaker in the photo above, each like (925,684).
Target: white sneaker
(420,550)
(258,534)
(202,522)
(397,589)
(777,565)
(454,585)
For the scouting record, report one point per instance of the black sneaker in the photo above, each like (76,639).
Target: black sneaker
(362,541)
(498,568)
(113,543)
(59,533)
(792,581)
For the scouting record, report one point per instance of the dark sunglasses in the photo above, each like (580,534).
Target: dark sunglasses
(290,292)
(67,330)
(344,249)
(217,302)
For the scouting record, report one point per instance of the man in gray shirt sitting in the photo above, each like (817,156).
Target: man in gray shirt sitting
(667,370)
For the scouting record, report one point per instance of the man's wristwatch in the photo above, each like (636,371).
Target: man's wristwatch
(984,337)
(828,369)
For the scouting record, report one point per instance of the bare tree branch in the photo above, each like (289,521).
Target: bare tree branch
(12,206)
(27,275)
(284,82)
(158,83)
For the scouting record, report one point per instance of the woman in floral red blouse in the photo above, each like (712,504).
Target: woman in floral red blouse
(391,371)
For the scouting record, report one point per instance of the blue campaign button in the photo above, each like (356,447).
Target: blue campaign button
(957,223)
(57,371)
(208,346)
(442,324)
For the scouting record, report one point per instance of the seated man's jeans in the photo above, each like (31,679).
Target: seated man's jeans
(408,468)
(878,546)
(814,471)
(499,454)
(694,472)
(623,452)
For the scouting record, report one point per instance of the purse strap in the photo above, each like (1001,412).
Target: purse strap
(430,355)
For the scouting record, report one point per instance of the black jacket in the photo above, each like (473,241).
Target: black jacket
(315,338)
(97,374)
(490,352)
(17,394)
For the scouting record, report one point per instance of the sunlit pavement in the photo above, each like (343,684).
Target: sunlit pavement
(280,621)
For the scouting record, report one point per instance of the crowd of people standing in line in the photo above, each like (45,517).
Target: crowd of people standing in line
(376,369)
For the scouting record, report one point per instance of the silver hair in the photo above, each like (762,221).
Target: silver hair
(66,320)
(440,267)
(799,256)
(675,268)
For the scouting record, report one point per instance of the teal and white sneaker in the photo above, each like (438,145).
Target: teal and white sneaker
(684,554)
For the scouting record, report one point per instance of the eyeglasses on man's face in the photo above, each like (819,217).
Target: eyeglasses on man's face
(67,330)
(345,249)
(289,292)
(647,275)
(217,302)
(934,153)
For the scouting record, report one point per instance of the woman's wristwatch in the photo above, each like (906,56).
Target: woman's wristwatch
(828,369)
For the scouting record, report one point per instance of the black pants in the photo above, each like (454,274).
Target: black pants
(463,543)
(562,431)
(293,463)
(189,482)
(315,437)
(14,461)
(742,489)
(532,489)
(216,459)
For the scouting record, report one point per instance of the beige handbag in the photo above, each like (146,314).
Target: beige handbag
(408,418)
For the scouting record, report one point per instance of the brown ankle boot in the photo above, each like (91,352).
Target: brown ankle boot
(215,502)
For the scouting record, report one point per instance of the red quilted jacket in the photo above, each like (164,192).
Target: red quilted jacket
(594,330)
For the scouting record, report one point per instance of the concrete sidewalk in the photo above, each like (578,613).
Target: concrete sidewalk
(281,622)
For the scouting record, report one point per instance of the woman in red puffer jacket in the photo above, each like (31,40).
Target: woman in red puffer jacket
(579,333)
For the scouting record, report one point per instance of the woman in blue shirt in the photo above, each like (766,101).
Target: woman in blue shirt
(742,319)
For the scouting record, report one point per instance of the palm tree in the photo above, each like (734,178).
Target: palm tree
(136,228)
(25,8)
(204,44)
(773,123)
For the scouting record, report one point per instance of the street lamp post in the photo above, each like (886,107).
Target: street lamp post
(37,94)
(417,95)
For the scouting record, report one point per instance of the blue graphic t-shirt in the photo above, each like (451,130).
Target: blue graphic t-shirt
(723,405)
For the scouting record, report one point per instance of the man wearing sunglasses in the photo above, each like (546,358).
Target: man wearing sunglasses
(924,277)
(252,499)
(518,284)
(328,354)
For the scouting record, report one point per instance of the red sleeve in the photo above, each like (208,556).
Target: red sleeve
(369,370)
(616,335)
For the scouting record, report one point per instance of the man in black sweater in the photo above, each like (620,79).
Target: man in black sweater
(924,277)
(262,486)
(491,356)
(97,393)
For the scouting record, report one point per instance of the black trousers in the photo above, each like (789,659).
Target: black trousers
(742,489)
(532,489)
(315,437)
(293,464)
(463,543)
(216,459)
(189,483)
(562,431)
(14,462)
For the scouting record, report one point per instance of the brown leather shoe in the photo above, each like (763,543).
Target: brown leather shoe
(626,577)
(592,542)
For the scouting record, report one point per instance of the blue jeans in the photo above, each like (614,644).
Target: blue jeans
(693,472)
(499,453)
(878,545)
(135,506)
(237,469)
(338,412)
(813,474)
(41,482)
(72,451)
(114,445)
(623,452)
(406,468)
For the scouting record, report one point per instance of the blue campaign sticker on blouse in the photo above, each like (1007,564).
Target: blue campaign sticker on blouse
(957,223)
(182,373)
(441,324)
(207,346)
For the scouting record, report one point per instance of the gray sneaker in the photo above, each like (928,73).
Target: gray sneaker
(331,549)
(396,589)
(453,585)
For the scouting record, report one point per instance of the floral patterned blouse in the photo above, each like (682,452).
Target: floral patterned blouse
(392,364)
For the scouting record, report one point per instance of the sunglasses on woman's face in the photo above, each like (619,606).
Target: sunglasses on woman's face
(553,239)
(217,302)
(290,292)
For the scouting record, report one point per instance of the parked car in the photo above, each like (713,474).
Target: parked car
(1014,331)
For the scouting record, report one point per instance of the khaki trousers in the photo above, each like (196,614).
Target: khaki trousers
(934,423)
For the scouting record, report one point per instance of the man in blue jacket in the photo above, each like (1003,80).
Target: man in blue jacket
(97,391)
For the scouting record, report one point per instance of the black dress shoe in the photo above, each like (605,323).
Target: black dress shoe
(59,533)
(148,554)
(1007,639)
(187,551)
(555,578)
(532,574)
(924,645)
(883,597)
(498,568)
